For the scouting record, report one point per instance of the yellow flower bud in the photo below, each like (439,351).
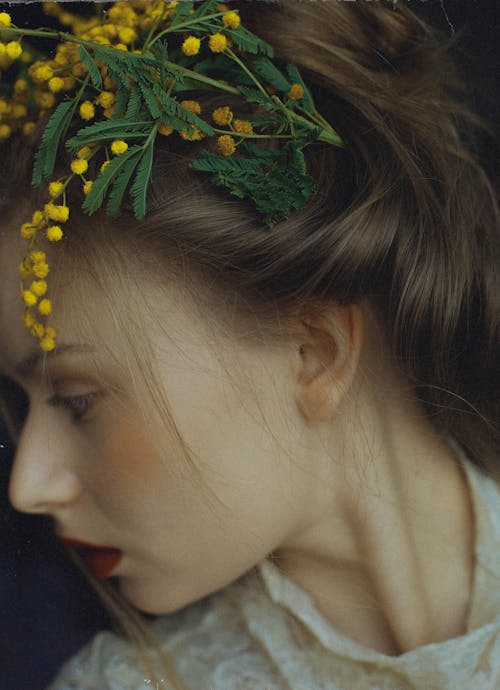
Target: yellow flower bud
(106,99)
(296,92)
(28,319)
(192,106)
(5,131)
(43,72)
(36,257)
(19,110)
(44,99)
(47,344)
(165,129)
(54,233)
(226,145)
(13,50)
(55,188)
(20,86)
(28,128)
(87,110)
(79,166)
(39,287)
(24,271)
(243,127)
(37,218)
(45,307)
(84,153)
(195,136)
(56,84)
(38,330)
(127,35)
(30,299)
(118,147)
(222,116)
(58,213)
(5,20)
(87,187)
(40,269)
(217,43)
(27,231)
(191,46)
(231,20)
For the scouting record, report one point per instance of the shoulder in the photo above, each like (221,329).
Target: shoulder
(208,643)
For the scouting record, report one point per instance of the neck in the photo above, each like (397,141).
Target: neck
(387,555)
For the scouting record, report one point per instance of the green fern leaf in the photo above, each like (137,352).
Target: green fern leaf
(295,78)
(274,181)
(182,12)
(101,185)
(109,129)
(256,96)
(46,155)
(265,68)
(121,99)
(176,113)
(150,100)
(120,185)
(204,8)
(134,104)
(139,189)
(249,43)
(89,63)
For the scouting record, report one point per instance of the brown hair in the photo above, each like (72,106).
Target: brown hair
(403,217)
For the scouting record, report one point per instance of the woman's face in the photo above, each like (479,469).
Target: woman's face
(97,456)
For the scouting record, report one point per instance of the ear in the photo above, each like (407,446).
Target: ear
(329,354)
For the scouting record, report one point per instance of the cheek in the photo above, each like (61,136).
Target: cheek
(130,469)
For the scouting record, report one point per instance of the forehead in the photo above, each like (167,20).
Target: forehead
(105,315)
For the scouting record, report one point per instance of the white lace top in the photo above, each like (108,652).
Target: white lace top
(263,632)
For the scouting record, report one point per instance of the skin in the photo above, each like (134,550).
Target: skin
(311,451)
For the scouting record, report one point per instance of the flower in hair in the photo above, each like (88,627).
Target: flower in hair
(115,82)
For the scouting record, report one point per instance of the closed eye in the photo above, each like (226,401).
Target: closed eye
(79,405)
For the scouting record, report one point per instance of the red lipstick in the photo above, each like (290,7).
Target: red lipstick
(100,560)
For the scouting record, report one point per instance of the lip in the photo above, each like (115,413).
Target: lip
(101,561)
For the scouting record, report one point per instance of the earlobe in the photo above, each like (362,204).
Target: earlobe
(329,355)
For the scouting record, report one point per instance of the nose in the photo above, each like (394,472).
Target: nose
(43,479)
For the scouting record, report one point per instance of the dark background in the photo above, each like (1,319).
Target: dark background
(47,609)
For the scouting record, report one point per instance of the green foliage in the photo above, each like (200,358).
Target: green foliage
(256,96)
(89,63)
(101,185)
(120,184)
(134,104)
(295,78)
(45,157)
(182,13)
(247,42)
(275,181)
(179,117)
(121,100)
(139,189)
(108,131)
(265,68)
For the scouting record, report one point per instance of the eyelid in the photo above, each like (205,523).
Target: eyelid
(72,402)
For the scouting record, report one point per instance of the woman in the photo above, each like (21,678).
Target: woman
(280,440)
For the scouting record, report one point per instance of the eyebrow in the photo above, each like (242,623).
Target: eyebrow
(26,368)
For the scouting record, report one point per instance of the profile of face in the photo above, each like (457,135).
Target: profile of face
(97,455)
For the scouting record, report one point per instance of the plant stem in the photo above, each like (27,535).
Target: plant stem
(188,23)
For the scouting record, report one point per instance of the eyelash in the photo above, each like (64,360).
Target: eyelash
(74,404)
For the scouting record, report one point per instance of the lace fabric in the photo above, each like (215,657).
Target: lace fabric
(263,632)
